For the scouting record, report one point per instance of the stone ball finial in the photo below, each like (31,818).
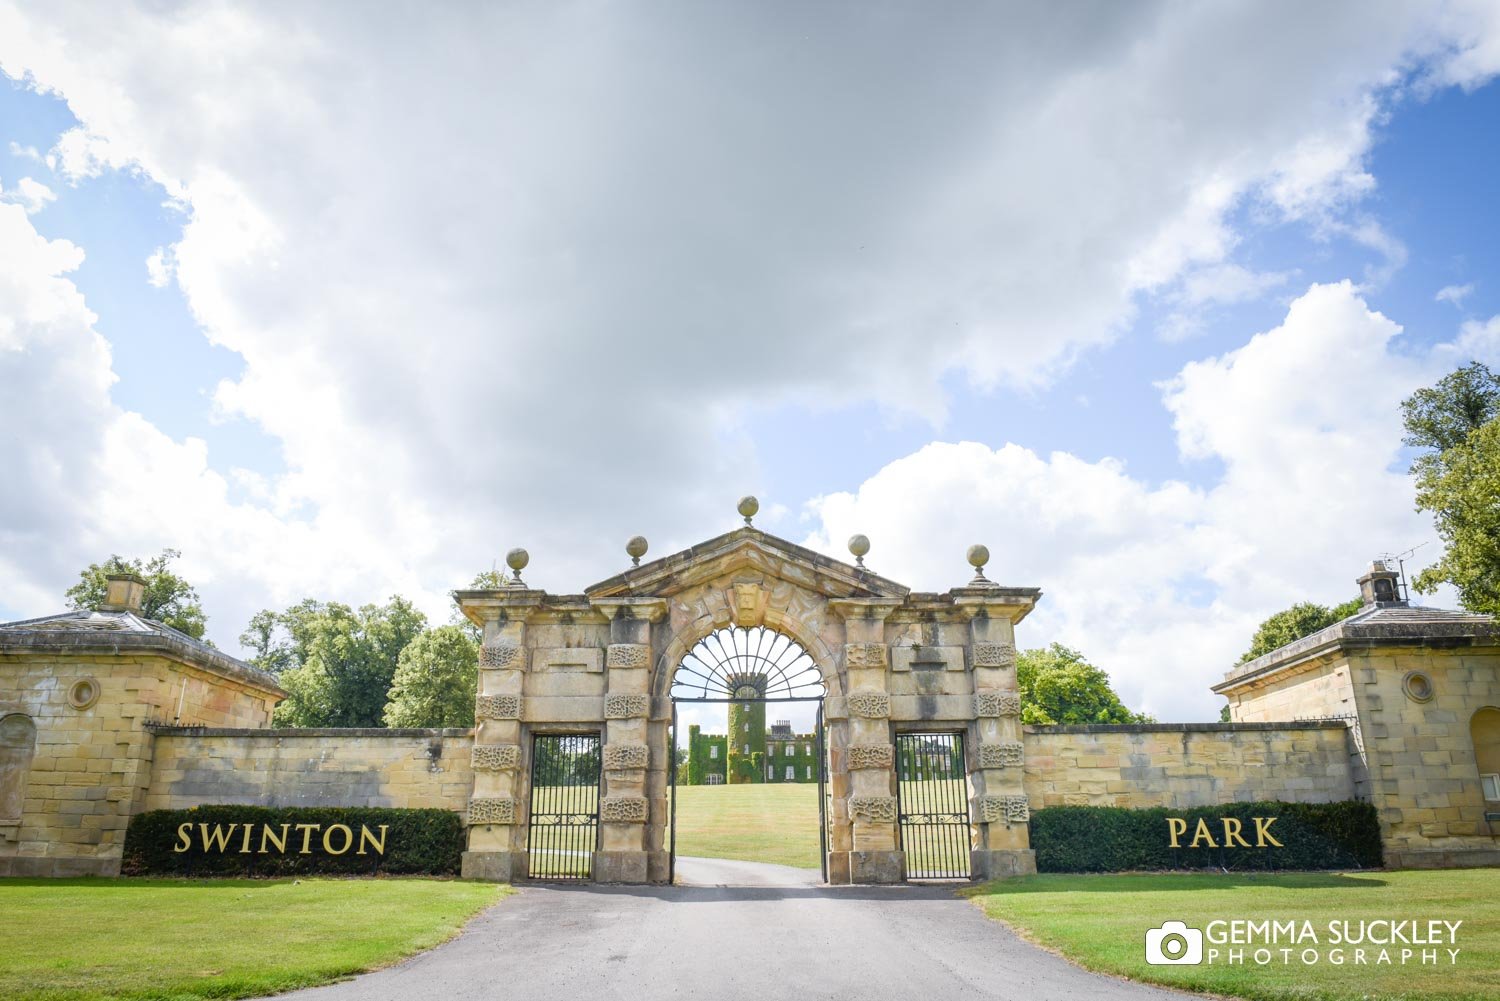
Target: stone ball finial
(747,508)
(517,559)
(635,549)
(859,545)
(978,556)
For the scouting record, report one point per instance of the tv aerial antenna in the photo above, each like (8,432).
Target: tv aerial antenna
(1400,560)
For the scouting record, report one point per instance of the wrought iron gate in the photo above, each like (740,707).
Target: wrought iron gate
(932,797)
(564,827)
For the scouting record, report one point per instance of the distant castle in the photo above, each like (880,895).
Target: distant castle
(749,753)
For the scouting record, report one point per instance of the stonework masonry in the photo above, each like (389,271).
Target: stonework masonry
(104,715)
(1192,764)
(310,767)
(1410,684)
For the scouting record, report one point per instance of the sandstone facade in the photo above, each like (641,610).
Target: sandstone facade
(104,715)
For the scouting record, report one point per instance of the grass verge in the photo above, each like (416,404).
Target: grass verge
(177,939)
(775,822)
(1100,922)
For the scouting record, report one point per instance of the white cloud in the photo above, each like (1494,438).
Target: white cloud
(1456,294)
(1163,584)
(159,267)
(32,195)
(515,276)
(24,152)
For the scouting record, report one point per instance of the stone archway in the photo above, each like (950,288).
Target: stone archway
(603,662)
(743,669)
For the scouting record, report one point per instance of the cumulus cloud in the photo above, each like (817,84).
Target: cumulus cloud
(504,276)
(1163,583)
(29,193)
(1455,294)
(159,267)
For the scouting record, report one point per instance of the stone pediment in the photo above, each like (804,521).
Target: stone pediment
(741,550)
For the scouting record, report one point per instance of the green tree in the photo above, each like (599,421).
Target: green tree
(1290,624)
(1458,480)
(436,677)
(1058,686)
(168,598)
(335,662)
(1462,490)
(1443,416)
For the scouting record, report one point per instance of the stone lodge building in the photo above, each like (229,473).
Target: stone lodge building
(104,715)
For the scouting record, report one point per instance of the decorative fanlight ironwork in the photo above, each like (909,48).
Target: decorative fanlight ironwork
(732,665)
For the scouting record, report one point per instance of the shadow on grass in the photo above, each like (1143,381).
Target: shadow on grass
(1152,882)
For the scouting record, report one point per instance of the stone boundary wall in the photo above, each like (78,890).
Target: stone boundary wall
(196,766)
(1188,764)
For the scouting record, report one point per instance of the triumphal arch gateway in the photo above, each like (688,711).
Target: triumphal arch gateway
(891,661)
(924,765)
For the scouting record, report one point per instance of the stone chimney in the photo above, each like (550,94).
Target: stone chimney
(1380,587)
(123,593)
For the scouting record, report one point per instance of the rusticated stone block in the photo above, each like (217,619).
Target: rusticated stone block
(627,655)
(1010,755)
(873,809)
(871,756)
(620,756)
(864,654)
(495,657)
(492,811)
(626,706)
(496,757)
(870,705)
(623,809)
(994,655)
(1003,809)
(498,707)
(997,704)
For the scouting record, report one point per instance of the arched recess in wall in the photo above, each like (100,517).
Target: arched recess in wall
(1484,731)
(17,746)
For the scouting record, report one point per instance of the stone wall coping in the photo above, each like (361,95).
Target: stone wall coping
(167,730)
(1259,727)
(142,636)
(1387,625)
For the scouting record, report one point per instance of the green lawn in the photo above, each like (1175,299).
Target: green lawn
(1100,922)
(758,823)
(76,939)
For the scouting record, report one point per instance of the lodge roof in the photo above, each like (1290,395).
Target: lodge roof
(1387,623)
(115,632)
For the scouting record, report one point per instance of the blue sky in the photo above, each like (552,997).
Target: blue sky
(1098,289)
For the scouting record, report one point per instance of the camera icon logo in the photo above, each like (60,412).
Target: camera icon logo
(1174,944)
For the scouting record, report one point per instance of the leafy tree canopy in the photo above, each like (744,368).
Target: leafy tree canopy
(1463,493)
(435,681)
(337,663)
(1443,416)
(1058,686)
(1458,480)
(1289,624)
(168,598)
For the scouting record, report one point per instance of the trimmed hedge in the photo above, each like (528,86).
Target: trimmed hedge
(427,842)
(1342,835)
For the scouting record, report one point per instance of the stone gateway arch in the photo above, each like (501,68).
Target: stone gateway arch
(928,772)
(891,661)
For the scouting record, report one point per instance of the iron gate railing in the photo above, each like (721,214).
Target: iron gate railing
(563,831)
(932,802)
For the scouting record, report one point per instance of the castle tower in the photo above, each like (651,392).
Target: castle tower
(747,729)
